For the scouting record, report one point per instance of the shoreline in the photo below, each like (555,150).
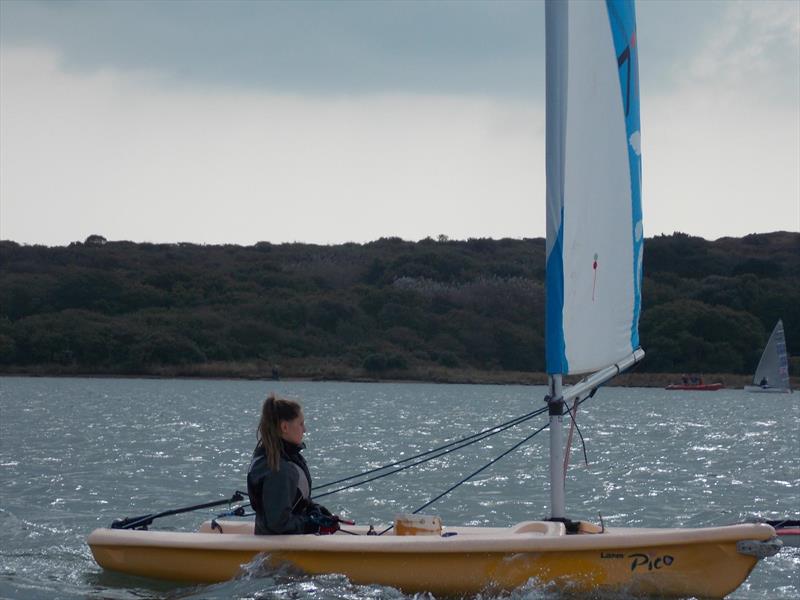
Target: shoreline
(259,372)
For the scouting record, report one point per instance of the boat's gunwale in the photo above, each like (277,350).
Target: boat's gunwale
(757,389)
(697,387)
(613,538)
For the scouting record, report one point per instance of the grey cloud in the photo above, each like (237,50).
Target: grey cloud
(344,47)
(338,47)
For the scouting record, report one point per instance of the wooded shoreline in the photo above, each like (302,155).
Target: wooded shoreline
(256,372)
(390,310)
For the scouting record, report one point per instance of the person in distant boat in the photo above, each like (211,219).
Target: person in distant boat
(278,480)
(763,383)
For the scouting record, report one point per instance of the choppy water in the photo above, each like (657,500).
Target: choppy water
(77,453)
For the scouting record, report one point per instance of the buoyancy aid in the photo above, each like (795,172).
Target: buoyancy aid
(281,498)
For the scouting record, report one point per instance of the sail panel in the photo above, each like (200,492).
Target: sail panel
(593,197)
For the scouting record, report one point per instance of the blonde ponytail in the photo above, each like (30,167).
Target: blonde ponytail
(274,411)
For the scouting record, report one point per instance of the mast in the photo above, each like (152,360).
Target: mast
(556,39)
(555,403)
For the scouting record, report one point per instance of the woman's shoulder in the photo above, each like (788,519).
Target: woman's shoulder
(286,470)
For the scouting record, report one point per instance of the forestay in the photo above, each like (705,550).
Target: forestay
(594,218)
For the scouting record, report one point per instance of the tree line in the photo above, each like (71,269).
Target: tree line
(389,308)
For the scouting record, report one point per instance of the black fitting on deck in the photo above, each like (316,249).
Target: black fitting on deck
(570,525)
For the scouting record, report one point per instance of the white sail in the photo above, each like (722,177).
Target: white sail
(773,368)
(594,220)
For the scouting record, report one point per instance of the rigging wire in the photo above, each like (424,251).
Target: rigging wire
(435,456)
(514,421)
(460,443)
(447,449)
(470,476)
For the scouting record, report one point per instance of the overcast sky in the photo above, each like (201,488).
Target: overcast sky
(327,122)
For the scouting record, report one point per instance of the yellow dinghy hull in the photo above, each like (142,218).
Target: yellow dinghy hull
(666,562)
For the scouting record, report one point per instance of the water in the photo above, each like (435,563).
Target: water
(77,453)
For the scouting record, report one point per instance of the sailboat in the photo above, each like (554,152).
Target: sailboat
(772,374)
(594,273)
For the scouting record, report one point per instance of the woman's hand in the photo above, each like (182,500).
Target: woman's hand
(325,522)
(329,529)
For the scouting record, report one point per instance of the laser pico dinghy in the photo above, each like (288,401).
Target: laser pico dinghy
(708,562)
(594,270)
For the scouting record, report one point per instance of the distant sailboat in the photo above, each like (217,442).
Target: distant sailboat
(772,374)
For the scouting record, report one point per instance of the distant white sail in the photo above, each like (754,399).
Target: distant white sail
(773,368)
(594,216)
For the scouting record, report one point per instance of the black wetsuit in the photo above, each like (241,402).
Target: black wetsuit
(282,498)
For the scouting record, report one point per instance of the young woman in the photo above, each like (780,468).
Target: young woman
(278,479)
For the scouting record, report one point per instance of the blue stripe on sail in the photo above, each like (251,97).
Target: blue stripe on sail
(555,349)
(556,19)
(622,16)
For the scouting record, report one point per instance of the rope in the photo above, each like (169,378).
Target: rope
(568,449)
(572,415)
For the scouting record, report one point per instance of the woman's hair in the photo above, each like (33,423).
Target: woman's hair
(274,411)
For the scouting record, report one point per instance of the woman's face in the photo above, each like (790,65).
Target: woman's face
(292,431)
